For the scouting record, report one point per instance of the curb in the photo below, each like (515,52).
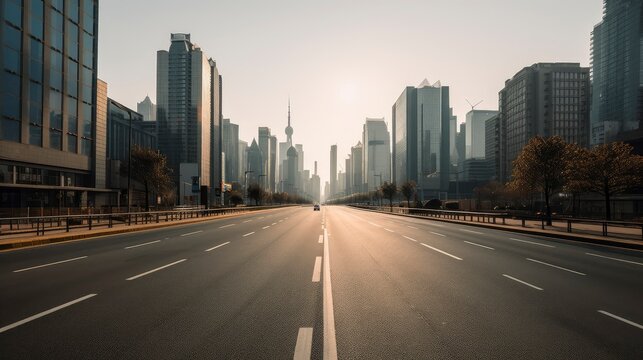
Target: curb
(35,241)
(565,236)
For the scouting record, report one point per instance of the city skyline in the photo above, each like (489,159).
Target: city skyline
(282,55)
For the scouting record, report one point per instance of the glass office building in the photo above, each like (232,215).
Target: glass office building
(48,91)
(617,71)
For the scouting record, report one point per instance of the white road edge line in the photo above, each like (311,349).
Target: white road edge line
(440,251)
(616,259)
(321,239)
(471,231)
(317,269)
(389,230)
(412,227)
(330,340)
(533,243)
(154,270)
(438,234)
(44,313)
(192,233)
(53,263)
(218,246)
(225,226)
(143,244)
(482,246)
(615,317)
(522,282)
(374,224)
(557,267)
(304,344)
(248,234)
(412,239)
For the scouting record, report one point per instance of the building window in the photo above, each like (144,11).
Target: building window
(72,115)
(55,139)
(35,135)
(86,146)
(11,59)
(13,12)
(72,10)
(87,120)
(10,130)
(6,174)
(72,143)
(12,37)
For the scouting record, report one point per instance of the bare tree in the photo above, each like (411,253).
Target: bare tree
(408,189)
(256,193)
(389,190)
(149,167)
(540,167)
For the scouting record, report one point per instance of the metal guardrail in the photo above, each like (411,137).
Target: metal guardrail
(40,224)
(492,218)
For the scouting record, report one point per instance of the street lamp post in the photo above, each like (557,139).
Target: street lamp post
(129,166)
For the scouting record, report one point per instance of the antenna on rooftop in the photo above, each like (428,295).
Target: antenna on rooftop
(472,105)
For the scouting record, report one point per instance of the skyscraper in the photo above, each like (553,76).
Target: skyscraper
(545,99)
(255,164)
(230,147)
(421,123)
(282,162)
(475,133)
(376,154)
(147,109)
(265,138)
(357,182)
(188,111)
(617,71)
(333,172)
(51,140)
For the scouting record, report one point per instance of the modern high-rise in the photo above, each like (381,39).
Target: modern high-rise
(267,152)
(475,133)
(230,148)
(52,146)
(315,185)
(243,161)
(453,131)
(147,109)
(357,181)
(255,164)
(617,71)
(333,172)
(376,154)
(188,89)
(545,99)
(492,146)
(292,181)
(282,160)
(421,150)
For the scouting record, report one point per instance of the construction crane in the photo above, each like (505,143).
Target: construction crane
(474,106)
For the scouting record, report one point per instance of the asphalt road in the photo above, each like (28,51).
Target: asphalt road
(340,283)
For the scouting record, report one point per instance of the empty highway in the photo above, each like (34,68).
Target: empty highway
(337,283)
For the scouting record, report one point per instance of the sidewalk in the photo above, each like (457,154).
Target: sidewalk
(589,233)
(20,240)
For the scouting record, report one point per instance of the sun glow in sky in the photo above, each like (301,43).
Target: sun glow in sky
(340,61)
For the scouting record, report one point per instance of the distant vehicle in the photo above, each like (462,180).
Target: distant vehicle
(316,207)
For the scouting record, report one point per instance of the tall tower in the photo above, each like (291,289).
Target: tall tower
(289,129)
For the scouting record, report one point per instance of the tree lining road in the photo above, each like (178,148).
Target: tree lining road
(253,287)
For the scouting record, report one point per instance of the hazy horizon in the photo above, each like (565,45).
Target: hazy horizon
(340,62)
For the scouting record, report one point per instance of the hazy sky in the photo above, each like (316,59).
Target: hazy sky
(340,61)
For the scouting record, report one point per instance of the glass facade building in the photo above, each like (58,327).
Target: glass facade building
(48,91)
(122,123)
(545,99)
(617,71)
(188,112)
(421,148)
(376,154)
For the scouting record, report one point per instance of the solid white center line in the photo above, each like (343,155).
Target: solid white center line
(225,226)
(533,243)
(522,282)
(330,339)
(412,227)
(471,231)
(265,227)
(374,224)
(154,270)
(482,246)
(321,239)
(611,258)
(438,234)
(412,239)
(192,233)
(440,251)
(557,267)
(44,313)
(53,263)
(218,246)
(389,230)
(304,344)
(615,317)
(317,269)
(143,244)
(248,234)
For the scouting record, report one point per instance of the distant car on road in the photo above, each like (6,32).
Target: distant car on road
(316,207)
